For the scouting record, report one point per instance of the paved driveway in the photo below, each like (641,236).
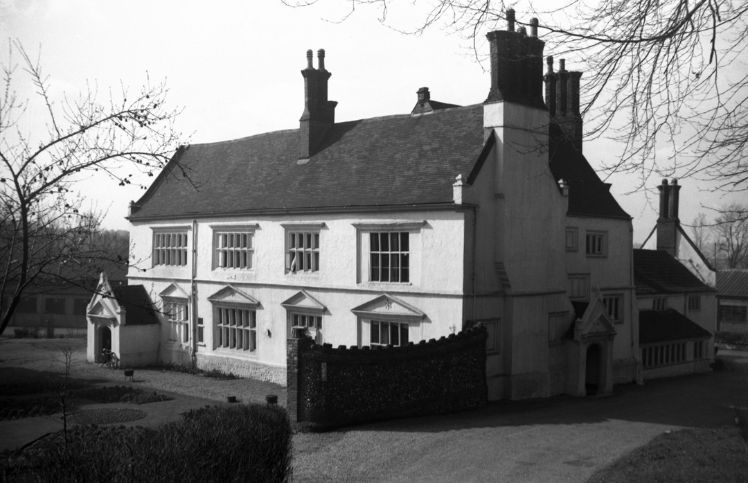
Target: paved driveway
(562,439)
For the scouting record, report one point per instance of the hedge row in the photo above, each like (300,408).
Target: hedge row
(238,443)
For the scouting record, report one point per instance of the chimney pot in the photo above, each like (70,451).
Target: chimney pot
(321,59)
(522,31)
(549,62)
(533,27)
(510,20)
(562,65)
(309,55)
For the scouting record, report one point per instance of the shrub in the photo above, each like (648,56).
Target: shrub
(238,443)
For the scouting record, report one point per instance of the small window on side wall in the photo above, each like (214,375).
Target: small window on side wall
(614,307)
(659,303)
(596,244)
(572,239)
(694,303)
(579,286)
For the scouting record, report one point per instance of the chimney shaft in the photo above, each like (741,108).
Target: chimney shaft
(550,87)
(516,66)
(664,190)
(668,233)
(673,201)
(423,95)
(561,88)
(562,99)
(510,20)
(319,112)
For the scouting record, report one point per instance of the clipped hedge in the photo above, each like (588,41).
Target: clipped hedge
(238,443)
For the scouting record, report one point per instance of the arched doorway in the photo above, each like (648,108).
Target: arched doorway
(593,381)
(105,342)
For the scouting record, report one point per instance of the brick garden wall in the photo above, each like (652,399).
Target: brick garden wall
(330,387)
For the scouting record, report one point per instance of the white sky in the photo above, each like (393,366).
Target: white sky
(234,68)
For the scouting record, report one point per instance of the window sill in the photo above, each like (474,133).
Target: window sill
(302,274)
(386,284)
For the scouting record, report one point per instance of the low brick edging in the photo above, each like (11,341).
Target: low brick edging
(330,387)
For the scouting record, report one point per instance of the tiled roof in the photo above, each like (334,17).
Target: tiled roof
(386,161)
(732,283)
(395,160)
(664,325)
(137,304)
(588,195)
(656,271)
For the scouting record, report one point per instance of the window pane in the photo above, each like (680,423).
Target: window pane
(374,333)
(384,274)
(385,239)
(385,333)
(395,334)
(374,267)
(394,241)
(374,241)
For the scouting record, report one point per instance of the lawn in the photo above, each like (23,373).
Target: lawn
(27,392)
(702,455)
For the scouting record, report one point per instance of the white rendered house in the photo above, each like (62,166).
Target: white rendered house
(398,229)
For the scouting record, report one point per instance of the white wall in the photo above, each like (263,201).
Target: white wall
(610,274)
(435,286)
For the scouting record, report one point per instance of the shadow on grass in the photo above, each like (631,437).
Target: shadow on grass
(27,392)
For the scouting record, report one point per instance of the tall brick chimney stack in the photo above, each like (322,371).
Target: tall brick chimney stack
(562,100)
(516,64)
(667,223)
(319,112)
